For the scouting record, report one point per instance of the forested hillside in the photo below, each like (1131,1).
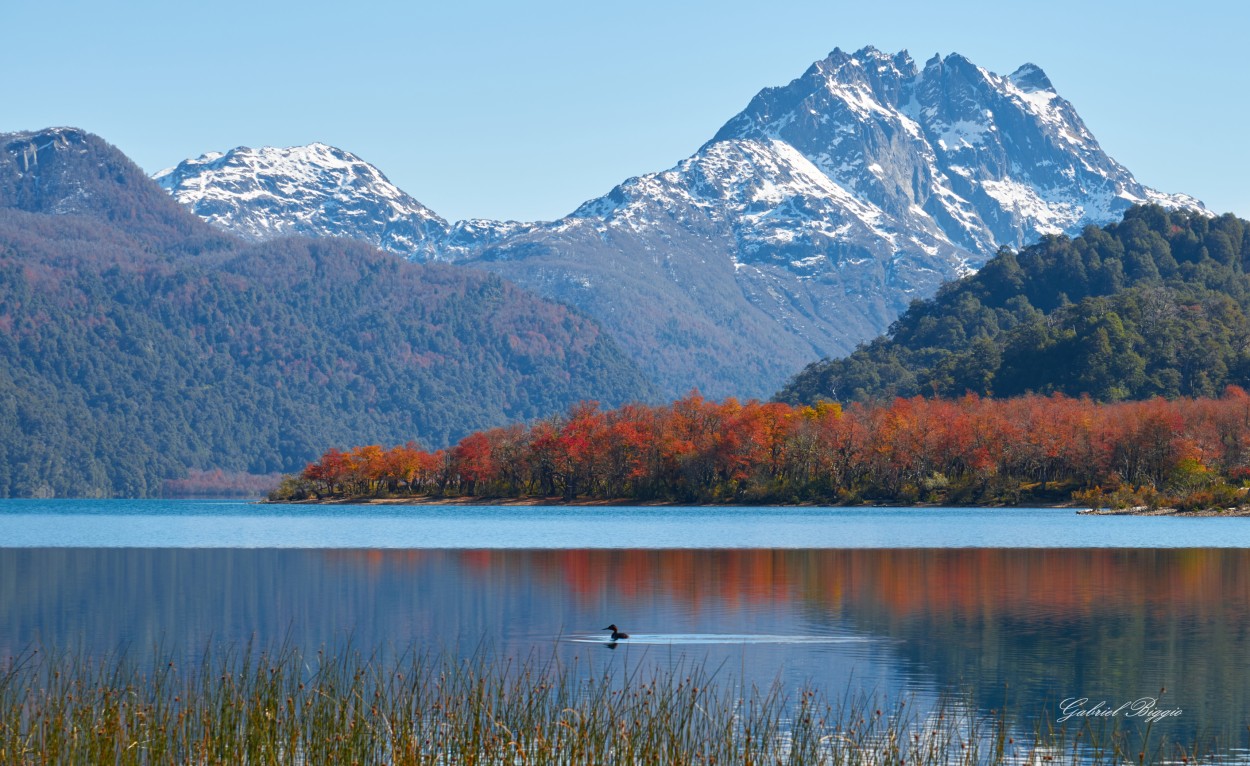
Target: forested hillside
(1155,305)
(137,343)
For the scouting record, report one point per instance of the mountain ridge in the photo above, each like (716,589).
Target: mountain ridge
(318,194)
(812,218)
(137,342)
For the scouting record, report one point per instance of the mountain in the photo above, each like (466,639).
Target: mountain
(983,159)
(313,191)
(318,191)
(138,343)
(1155,305)
(807,224)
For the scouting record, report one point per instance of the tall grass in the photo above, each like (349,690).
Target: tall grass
(287,707)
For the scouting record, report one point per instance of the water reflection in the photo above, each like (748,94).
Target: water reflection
(1027,626)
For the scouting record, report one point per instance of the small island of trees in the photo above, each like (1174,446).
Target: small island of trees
(1185,453)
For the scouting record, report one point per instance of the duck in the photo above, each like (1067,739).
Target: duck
(617,635)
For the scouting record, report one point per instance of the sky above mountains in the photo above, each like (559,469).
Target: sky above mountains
(523,111)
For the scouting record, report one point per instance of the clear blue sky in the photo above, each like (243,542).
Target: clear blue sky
(523,110)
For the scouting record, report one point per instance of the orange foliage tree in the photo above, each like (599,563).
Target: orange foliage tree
(908,450)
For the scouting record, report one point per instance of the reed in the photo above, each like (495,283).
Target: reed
(241,706)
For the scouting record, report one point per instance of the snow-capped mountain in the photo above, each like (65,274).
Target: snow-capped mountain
(805,225)
(986,159)
(314,191)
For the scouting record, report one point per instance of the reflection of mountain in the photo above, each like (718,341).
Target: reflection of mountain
(1114,624)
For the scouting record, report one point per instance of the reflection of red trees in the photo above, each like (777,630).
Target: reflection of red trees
(219,483)
(967,583)
(909,449)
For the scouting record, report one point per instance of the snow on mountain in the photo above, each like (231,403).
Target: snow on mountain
(781,208)
(983,159)
(807,223)
(314,190)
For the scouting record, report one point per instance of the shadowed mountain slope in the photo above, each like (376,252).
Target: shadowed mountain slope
(136,342)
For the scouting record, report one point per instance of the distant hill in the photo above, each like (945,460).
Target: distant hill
(806,224)
(138,344)
(1155,305)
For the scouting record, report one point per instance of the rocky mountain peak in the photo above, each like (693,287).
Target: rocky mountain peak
(952,149)
(68,171)
(806,224)
(311,190)
(1030,78)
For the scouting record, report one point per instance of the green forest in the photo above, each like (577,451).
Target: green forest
(145,353)
(1155,305)
(137,344)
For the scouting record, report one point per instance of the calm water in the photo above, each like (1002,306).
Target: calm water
(238,524)
(1111,609)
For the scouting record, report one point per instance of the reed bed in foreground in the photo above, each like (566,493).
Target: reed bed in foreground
(286,707)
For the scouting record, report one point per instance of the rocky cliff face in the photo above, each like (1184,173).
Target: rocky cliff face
(810,220)
(983,159)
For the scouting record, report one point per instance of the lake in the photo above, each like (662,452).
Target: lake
(239,524)
(1027,607)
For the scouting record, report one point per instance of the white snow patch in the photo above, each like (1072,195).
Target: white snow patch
(963,134)
(810,262)
(1047,216)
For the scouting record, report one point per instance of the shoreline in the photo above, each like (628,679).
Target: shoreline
(471,500)
(1141,510)
(529,502)
(621,502)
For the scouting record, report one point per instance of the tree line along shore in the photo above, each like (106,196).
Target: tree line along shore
(1183,454)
